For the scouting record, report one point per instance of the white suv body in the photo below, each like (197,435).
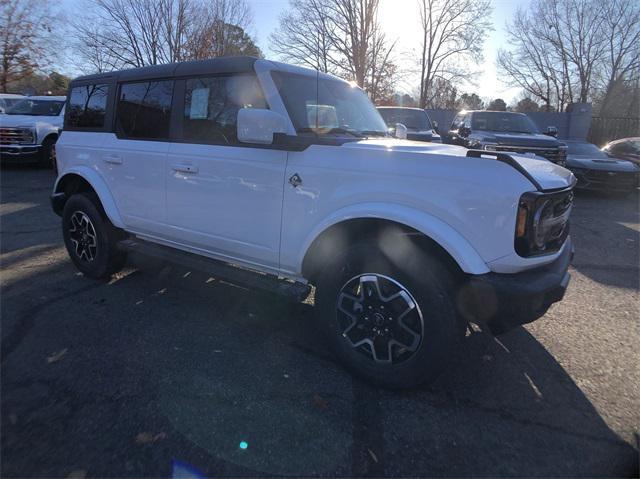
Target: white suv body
(29,128)
(290,182)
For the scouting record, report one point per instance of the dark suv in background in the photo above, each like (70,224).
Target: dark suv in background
(419,125)
(505,131)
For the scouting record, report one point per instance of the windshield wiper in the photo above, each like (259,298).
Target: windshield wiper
(335,131)
(373,133)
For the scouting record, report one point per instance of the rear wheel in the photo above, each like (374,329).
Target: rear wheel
(392,324)
(90,238)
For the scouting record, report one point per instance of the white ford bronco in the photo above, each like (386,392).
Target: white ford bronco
(29,129)
(282,178)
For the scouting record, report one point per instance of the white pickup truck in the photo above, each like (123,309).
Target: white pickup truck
(281,178)
(29,130)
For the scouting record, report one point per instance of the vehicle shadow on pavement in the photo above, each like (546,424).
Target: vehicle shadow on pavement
(168,364)
(607,246)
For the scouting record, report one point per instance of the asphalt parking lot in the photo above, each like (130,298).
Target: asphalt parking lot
(164,370)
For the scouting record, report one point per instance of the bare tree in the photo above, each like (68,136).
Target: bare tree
(136,33)
(303,35)
(622,53)
(569,50)
(343,37)
(453,33)
(25,34)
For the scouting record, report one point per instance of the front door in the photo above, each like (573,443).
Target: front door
(222,196)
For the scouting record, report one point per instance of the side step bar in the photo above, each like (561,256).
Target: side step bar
(295,291)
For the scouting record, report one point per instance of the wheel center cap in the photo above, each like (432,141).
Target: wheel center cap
(378,319)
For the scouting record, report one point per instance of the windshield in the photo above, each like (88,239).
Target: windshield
(496,121)
(8,102)
(36,107)
(585,149)
(413,119)
(328,107)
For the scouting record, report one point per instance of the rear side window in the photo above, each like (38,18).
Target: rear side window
(211,107)
(88,106)
(144,110)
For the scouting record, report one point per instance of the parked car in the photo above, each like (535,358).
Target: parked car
(595,170)
(29,129)
(280,177)
(419,125)
(507,132)
(625,149)
(8,99)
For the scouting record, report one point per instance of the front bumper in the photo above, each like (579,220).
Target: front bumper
(505,301)
(19,153)
(604,180)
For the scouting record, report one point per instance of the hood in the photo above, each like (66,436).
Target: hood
(607,164)
(29,120)
(519,139)
(549,175)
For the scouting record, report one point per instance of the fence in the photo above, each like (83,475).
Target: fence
(605,129)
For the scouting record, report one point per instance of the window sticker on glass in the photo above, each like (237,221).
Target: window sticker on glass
(322,117)
(199,104)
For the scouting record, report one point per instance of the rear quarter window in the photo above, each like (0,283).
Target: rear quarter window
(87,106)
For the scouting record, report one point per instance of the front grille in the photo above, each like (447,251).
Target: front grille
(607,179)
(16,136)
(555,155)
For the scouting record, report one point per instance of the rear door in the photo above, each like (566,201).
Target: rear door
(134,157)
(223,197)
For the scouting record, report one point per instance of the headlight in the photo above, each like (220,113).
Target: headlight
(542,223)
(490,147)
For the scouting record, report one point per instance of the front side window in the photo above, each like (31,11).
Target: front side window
(457,121)
(325,106)
(144,110)
(211,107)
(88,106)
(36,107)
(412,119)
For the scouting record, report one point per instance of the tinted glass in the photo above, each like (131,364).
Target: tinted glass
(211,107)
(585,149)
(36,108)
(88,106)
(413,119)
(512,122)
(144,109)
(324,106)
(457,121)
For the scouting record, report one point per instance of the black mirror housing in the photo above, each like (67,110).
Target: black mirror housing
(552,131)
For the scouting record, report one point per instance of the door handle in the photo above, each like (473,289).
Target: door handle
(113,159)
(184,168)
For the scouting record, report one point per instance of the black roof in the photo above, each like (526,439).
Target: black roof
(170,70)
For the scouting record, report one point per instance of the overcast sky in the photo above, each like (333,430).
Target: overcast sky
(400,20)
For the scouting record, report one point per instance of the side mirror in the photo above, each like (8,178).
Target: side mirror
(256,125)
(464,131)
(552,131)
(401,131)
(435,126)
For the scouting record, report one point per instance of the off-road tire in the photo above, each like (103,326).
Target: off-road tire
(97,255)
(428,282)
